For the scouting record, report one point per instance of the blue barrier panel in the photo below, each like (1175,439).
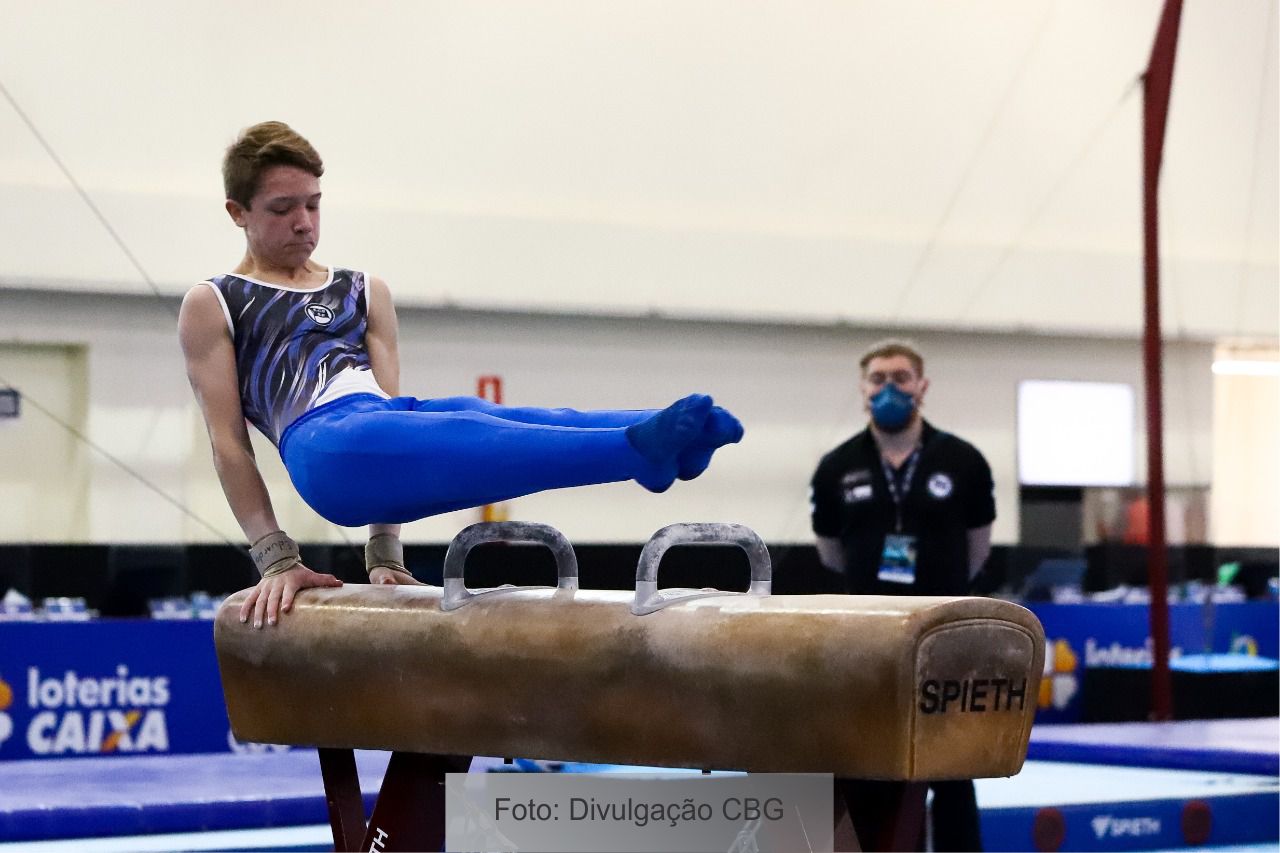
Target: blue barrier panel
(109,687)
(1110,635)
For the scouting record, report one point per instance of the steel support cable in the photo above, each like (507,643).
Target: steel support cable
(84,195)
(117,461)
(161,296)
(988,131)
(1267,59)
(1016,242)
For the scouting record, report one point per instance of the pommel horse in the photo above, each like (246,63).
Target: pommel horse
(906,689)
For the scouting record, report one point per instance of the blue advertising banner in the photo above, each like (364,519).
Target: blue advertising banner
(1079,636)
(109,687)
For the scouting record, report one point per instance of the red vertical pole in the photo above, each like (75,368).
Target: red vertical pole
(1157,83)
(489,387)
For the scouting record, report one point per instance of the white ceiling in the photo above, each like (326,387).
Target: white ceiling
(954,164)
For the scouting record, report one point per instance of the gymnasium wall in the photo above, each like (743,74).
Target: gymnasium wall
(122,384)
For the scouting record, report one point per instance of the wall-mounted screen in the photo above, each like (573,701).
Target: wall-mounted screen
(1075,433)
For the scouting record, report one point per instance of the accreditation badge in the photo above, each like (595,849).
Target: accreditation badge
(898,562)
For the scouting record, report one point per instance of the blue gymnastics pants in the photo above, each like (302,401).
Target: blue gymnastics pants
(363,460)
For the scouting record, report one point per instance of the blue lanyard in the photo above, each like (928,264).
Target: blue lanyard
(891,480)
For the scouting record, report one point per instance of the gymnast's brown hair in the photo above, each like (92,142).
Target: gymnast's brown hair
(258,148)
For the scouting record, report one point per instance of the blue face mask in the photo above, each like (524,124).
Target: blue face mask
(891,408)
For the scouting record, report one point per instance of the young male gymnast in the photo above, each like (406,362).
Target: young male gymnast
(307,353)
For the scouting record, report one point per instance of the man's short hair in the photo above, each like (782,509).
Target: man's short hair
(889,348)
(258,148)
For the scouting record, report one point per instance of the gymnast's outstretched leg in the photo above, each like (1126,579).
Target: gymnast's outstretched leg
(720,428)
(367,460)
(590,419)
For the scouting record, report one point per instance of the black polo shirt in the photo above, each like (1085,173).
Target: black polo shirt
(950,494)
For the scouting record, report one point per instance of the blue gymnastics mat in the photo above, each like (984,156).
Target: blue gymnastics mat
(141,795)
(1231,746)
(1064,806)
(1085,806)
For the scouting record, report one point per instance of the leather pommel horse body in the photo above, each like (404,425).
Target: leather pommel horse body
(863,687)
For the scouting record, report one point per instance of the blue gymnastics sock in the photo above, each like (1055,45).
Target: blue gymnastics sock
(660,439)
(720,429)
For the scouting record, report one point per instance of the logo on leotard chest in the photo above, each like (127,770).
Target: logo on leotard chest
(320,313)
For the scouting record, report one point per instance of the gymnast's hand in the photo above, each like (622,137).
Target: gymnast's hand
(274,595)
(382,574)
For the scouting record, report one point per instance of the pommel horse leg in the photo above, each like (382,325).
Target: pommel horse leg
(342,797)
(879,815)
(409,811)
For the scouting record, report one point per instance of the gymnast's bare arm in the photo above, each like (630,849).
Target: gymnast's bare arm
(211,368)
(381,341)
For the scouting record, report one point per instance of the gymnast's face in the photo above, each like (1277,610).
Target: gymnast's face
(282,222)
(895,369)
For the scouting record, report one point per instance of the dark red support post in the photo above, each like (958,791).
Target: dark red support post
(342,796)
(872,815)
(409,814)
(1157,83)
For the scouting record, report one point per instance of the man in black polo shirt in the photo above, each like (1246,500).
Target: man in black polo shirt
(903,508)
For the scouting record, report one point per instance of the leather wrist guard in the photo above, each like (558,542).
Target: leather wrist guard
(274,554)
(384,551)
